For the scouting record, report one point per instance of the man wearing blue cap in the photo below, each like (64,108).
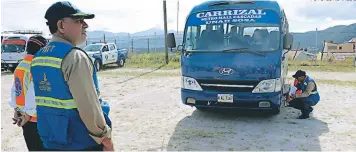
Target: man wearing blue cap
(69,111)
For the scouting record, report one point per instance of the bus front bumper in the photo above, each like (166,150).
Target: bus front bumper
(241,100)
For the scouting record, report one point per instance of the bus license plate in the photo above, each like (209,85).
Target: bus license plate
(226,98)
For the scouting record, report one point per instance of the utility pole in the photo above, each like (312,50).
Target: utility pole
(148,45)
(131,45)
(177,16)
(296,51)
(155,40)
(316,38)
(322,51)
(118,40)
(165,29)
(104,38)
(128,40)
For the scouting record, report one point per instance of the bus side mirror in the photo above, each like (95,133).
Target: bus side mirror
(287,41)
(180,48)
(171,41)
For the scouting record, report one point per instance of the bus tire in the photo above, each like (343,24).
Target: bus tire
(201,108)
(276,111)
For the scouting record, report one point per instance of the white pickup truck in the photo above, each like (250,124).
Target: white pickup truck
(103,53)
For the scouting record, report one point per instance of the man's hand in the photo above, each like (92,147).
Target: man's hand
(108,145)
(16,117)
(24,119)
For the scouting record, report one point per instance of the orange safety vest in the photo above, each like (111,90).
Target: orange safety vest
(23,78)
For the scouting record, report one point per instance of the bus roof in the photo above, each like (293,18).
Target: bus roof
(18,36)
(237,4)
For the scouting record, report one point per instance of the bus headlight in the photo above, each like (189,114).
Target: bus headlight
(267,86)
(190,84)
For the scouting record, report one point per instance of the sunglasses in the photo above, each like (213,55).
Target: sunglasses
(76,20)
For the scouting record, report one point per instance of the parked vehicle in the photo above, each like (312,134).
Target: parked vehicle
(13,47)
(13,50)
(233,55)
(103,53)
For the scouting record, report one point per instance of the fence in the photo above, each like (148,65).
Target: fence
(137,44)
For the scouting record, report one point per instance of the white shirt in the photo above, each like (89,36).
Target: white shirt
(30,104)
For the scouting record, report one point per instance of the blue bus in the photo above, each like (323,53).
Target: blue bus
(233,55)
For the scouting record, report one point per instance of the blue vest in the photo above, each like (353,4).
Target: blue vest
(58,122)
(314,97)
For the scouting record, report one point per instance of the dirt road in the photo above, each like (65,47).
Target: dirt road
(147,114)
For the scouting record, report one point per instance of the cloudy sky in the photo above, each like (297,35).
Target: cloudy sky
(139,15)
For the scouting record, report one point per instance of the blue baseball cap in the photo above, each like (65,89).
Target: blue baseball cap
(62,9)
(299,73)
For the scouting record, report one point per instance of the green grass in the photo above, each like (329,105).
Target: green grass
(333,82)
(155,60)
(325,65)
(143,74)
(337,82)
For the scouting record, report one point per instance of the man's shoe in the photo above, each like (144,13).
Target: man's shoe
(303,117)
(311,109)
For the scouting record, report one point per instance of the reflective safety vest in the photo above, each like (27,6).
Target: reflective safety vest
(59,124)
(314,95)
(22,76)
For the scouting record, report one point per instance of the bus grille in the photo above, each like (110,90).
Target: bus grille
(228,85)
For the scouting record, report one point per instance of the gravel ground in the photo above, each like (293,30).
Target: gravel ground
(147,114)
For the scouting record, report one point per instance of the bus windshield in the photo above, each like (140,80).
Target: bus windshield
(219,30)
(93,48)
(230,36)
(11,46)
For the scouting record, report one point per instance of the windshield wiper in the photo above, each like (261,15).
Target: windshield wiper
(244,50)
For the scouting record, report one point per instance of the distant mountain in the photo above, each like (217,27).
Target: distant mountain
(337,34)
(152,32)
(100,34)
(149,32)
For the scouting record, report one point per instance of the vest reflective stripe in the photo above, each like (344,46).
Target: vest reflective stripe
(27,81)
(55,103)
(314,92)
(47,61)
(24,65)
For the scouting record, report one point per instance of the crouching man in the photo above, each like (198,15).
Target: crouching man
(309,96)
